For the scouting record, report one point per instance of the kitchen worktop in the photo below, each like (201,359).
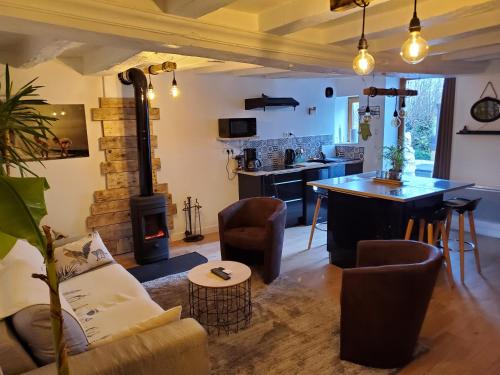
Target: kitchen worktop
(298,167)
(413,187)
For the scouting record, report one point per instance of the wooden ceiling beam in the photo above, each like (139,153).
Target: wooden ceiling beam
(453,27)
(395,18)
(474,53)
(464,42)
(191,8)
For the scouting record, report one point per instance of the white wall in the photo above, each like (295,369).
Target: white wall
(72,181)
(475,157)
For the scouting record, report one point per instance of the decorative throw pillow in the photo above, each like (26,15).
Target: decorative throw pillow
(34,328)
(169,316)
(81,256)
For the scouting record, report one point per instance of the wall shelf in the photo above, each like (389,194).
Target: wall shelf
(466,131)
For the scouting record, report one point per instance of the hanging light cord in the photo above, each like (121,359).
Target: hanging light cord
(415,9)
(363,27)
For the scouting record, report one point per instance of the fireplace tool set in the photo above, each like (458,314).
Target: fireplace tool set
(193,220)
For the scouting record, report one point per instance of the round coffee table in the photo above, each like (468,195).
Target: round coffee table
(218,304)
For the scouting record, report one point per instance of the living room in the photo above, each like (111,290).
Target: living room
(317,161)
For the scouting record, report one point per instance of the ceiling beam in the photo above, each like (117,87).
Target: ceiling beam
(397,17)
(463,42)
(473,53)
(292,16)
(191,8)
(34,50)
(256,72)
(222,67)
(454,27)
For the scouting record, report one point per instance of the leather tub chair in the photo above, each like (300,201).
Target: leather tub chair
(251,230)
(384,301)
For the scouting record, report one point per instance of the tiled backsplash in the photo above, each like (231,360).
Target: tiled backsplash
(351,152)
(272,151)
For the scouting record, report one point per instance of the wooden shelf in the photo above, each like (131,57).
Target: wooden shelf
(466,131)
(221,139)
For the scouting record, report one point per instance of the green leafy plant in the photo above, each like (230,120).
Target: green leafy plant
(22,123)
(23,207)
(395,154)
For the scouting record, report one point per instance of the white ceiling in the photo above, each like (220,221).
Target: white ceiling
(270,38)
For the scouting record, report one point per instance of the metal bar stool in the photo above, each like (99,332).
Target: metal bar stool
(321,195)
(461,206)
(435,222)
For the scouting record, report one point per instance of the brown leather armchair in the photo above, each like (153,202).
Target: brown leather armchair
(251,230)
(384,301)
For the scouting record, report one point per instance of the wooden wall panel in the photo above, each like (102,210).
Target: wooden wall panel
(110,212)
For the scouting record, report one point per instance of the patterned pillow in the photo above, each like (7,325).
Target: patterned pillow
(81,256)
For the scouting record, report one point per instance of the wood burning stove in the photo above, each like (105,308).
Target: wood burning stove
(148,211)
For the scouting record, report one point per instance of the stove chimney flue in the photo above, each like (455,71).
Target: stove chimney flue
(137,78)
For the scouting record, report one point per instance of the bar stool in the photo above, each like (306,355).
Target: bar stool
(461,206)
(322,194)
(433,219)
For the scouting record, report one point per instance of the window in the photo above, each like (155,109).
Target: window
(421,124)
(346,122)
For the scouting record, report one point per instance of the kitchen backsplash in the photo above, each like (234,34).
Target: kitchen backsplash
(272,151)
(350,152)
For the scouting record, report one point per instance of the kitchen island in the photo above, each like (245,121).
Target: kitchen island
(360,209)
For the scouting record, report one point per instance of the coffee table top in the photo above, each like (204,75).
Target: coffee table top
(201,275)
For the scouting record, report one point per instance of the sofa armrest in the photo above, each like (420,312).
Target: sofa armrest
(177,348)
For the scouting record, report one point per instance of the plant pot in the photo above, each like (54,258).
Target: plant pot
(394,175)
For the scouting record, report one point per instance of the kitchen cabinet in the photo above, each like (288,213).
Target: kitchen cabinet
(292,189)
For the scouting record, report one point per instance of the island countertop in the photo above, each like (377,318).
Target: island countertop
(413,187)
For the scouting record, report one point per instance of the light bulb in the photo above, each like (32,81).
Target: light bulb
(396,121)
(151,92)
(402,113)
(363,63)
(174,91)
(415,49)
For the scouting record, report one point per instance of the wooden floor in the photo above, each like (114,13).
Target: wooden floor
(462,326)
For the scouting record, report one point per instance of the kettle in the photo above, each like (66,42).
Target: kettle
(289,156)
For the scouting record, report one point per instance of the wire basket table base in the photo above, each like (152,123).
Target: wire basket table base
(226,309)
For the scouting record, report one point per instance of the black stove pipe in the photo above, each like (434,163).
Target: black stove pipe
(137,78)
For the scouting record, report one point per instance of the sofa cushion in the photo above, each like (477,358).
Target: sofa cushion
(249,238)
(34,328)
(81,256)
(167,317)
(13,358)
(108,300)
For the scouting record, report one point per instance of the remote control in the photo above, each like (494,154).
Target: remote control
(219,272)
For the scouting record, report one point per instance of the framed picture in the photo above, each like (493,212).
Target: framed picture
(70,132)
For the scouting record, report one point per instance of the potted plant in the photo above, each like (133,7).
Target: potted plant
(22,124)
(395,154)
(23,198)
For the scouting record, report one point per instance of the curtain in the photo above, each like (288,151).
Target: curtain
(442,160)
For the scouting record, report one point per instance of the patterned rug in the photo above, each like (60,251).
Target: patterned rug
(294,330)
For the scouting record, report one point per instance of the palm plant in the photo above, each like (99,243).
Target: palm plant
(22,123)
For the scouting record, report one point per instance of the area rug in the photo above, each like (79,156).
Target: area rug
(294,330)
(171,266)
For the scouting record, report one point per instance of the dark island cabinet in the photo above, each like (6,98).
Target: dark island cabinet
(291,187)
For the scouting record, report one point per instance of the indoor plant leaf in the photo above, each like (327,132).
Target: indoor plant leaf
(23,207)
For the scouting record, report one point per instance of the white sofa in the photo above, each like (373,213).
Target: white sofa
(107,300)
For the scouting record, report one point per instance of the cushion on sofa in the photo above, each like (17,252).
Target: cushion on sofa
(169,316)
(81,256)
(13,358)
(34,328)
(108,300)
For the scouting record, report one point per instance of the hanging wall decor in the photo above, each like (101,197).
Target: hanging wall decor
(487,108)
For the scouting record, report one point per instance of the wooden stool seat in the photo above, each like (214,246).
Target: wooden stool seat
(462,206)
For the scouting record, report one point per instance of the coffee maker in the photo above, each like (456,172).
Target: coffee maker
(251,161)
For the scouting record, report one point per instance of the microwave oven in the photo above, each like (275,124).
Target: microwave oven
(237,127)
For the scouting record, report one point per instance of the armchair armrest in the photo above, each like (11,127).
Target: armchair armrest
(228,213)
(387,252)
(177,348)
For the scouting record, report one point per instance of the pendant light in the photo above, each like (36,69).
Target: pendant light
(402,110)
(396,121)
(174,90)
(415,49)
(367,117)
(363,63)
(151,92)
